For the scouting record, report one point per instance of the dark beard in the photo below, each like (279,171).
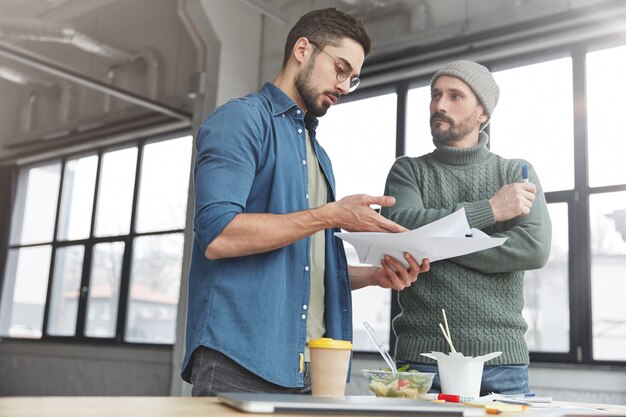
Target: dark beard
(307,94)
(454,133)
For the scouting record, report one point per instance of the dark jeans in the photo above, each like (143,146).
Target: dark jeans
(214,372)
(500,379)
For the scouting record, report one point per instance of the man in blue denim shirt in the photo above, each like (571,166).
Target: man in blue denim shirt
(267,273)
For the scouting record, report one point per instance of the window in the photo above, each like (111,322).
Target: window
(66,288)
(419,141)
(526,125)
(608,269)
(115,194)
(560,114)
(362,154)
(607,202)
(546,291)
(107,263)
(605,83)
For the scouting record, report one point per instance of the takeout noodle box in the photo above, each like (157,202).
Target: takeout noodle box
(403,384)
(459,374)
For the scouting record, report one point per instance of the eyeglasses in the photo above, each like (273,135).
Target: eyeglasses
(344,70)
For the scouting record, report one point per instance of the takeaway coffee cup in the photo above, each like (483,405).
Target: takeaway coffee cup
(459,374)
(330,360)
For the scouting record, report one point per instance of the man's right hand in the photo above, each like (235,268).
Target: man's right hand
(355,214)
(513,200)
(251,233)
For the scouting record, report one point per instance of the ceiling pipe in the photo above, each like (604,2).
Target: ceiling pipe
(44,64)
(18,77)
(46,31)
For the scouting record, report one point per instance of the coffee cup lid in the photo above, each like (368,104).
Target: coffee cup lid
(328,343)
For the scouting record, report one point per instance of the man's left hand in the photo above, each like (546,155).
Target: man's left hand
(395,275)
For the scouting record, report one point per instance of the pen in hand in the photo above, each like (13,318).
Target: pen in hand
(525,173)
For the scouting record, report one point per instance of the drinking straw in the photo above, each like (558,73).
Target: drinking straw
(372,334)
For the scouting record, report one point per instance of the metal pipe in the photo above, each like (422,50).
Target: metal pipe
(44,64)
(46,31)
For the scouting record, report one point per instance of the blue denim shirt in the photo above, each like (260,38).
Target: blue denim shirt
(251,158)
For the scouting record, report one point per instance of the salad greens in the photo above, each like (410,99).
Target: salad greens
(406,384)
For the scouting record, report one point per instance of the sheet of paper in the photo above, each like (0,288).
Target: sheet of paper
(441,239)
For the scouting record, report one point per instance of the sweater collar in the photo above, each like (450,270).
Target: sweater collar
(463,156)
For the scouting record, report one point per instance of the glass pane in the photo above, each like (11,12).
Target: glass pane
(115,197)
(36,204)
(362,154)
(371,304)
(419,141)
(546,291)
(606,83)
(24,292)
(608,269)
(155,285)
(534,120)
(77,200)
(104,289)
(68,267)
(163,192)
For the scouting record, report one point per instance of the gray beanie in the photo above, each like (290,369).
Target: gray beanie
(478,78)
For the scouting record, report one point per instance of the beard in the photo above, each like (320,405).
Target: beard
(454,133)
(308,94)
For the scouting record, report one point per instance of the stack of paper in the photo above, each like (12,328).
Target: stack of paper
(445,238)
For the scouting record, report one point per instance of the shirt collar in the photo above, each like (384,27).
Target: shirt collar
(280,103)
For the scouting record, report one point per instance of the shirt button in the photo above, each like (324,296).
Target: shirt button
(299,130)
(304,307)
(303,162)
(298,111)
(306,268)
(307,196)
(284,115)
(303,316)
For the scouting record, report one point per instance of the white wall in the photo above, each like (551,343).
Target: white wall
(238,28)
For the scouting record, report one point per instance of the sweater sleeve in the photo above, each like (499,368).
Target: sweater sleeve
(409,211)
(528,237)
(528,241)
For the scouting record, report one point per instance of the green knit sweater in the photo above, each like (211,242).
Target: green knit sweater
(482,292)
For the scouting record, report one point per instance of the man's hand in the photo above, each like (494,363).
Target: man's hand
(393,274)
(513,200)
(250,233)
(354,214)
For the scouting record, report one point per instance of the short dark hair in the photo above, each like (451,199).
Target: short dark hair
(327,27)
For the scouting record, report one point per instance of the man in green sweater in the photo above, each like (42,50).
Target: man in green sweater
(482,292)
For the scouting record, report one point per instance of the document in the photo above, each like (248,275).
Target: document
(445,238)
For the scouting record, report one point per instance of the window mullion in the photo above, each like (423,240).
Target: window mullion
(85,282)
(580,266)
(122,309)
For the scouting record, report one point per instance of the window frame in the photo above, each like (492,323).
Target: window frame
(90,242)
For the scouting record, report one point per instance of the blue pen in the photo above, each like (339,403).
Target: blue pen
(525,173)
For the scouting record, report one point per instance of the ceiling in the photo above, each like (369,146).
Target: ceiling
(115,44)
